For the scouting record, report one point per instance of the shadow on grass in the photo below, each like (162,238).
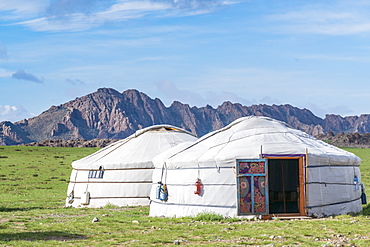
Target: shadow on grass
(2,209)
(43,236)
(366,209)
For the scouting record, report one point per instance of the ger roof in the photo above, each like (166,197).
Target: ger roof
(247,138)
(136,150)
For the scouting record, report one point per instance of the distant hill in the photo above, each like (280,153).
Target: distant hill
(109,114)
(340,140)
(357,140)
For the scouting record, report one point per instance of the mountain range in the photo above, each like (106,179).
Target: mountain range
(109,114)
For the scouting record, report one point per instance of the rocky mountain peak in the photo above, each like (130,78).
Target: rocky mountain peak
(110,114)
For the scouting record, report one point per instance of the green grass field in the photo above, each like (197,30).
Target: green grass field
(33,188)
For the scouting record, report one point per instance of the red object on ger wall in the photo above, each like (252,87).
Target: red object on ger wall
(199,186)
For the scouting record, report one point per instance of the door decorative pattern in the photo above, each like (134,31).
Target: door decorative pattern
(252,187)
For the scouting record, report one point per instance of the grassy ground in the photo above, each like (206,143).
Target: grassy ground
(33,184)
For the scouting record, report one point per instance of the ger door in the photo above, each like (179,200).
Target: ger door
(252,187)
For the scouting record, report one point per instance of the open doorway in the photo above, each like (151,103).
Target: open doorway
(286,184)
(283,175)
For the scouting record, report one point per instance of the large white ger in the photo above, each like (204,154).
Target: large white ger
(257,166)
(121,173)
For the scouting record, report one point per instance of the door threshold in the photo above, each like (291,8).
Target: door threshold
(286,217)
(290,217)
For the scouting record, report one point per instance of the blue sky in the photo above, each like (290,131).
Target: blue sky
(310,54)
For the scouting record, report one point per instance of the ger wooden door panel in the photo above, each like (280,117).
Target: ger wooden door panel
(252,187)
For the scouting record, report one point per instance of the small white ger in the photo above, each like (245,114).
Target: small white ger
(121,173)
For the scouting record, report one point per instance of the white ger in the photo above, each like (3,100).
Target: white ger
(121,173)
(257,166)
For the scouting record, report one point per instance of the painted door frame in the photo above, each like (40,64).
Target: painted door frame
(302,160)
(302,176)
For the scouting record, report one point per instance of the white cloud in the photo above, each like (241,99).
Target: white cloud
(335,58)
(321,111)
(250,80)
(343,18)
(214,98)
(80,21)
(5,73)
(71,16)
(21,9)
(270,100)
(172,92)
(13,113)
